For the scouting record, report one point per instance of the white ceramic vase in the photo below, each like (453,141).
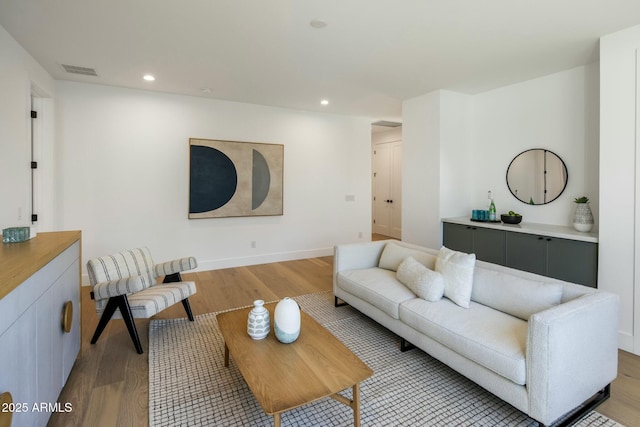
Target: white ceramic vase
(583,219)
(286,321)
(258,324)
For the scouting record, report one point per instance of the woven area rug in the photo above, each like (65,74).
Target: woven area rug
(189,385)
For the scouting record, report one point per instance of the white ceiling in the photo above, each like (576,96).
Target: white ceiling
(371,55)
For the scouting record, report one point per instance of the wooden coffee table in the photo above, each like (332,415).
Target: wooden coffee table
(285,376)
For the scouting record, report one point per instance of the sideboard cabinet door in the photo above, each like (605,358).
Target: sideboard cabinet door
(526,252)
(489,245)
(457,237)
(573,261)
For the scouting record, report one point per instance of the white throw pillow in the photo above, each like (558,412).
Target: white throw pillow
(393,254)
(425,283)
(457,270)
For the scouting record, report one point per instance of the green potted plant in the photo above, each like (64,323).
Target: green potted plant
(583,218)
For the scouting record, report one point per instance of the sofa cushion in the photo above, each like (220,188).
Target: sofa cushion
(377,286)
(514,295)
(425,283)
(486,336)
(457,270)
(393,254)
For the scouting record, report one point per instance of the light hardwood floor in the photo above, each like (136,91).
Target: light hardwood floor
(108,385)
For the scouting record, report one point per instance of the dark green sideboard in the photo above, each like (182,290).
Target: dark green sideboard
(536,249)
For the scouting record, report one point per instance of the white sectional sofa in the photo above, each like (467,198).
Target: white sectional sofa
(547,347)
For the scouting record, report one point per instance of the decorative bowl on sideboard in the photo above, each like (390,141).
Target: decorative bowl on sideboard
(511,219)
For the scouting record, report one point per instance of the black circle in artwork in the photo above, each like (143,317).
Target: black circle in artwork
(213,179)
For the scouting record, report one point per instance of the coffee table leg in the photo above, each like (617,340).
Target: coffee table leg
(356,405)
(226,355)
(276,419)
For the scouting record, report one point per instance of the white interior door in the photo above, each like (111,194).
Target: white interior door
(396,189)
(387,192)
(381,189)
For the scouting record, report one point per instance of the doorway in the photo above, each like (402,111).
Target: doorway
(386,168)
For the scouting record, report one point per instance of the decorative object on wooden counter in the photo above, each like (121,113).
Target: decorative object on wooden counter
(18,234)
(583,218)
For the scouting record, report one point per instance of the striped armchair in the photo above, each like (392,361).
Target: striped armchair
(125,287)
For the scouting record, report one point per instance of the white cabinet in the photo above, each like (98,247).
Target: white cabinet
(36,354)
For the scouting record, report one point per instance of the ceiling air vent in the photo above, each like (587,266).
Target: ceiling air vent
(387,124)
(74,69)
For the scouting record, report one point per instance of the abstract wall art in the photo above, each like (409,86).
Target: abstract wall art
(231,178)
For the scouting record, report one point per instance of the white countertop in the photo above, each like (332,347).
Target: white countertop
(559,231)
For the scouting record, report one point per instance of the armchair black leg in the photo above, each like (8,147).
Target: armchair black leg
(187,308)
(125,310)
(122,303)
(172,278)
(111,307)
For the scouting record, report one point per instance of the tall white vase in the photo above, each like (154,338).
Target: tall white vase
(583,219)
(286,321)
(259,323)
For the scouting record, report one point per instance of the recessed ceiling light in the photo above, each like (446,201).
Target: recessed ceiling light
(148,77)
(206,90)
(324,102)
(318,23)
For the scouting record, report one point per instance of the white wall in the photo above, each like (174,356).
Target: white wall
(123,164)
(558,112)
(459,146)
(456,178)
(18,74)
(619,261)
(421,170)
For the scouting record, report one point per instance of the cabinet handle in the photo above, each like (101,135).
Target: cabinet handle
(540,238)
(67,316)
(549,239)
(5,416)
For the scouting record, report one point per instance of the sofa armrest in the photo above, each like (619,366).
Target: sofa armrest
(114,288)
(572,353)
(175,266)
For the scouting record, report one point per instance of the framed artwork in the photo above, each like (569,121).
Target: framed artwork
(232,179)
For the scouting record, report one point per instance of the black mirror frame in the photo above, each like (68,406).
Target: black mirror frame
(564,165)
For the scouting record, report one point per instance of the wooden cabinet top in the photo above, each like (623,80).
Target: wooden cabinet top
(559,231)
(19,261)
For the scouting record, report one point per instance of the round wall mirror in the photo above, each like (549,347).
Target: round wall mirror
(537,176)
